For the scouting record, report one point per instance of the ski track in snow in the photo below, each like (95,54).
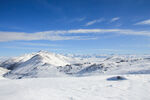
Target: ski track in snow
(136,87)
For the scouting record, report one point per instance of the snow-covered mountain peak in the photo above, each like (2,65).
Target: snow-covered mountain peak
(47,64)
(39,64)
(41,56)
(50,58)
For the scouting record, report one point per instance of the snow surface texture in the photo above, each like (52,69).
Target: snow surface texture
(50,76)
(46,64)
(135,87)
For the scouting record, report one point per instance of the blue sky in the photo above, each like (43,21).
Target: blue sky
(75,26)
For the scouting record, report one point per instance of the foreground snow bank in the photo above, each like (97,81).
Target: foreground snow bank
(136,87)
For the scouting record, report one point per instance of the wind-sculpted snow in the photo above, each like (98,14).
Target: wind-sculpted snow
(45,64)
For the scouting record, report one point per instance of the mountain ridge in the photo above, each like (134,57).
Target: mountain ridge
(47,64)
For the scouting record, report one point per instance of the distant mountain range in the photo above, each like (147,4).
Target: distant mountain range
(47,64)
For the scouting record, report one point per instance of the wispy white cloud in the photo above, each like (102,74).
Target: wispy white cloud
(66,34)
(145,22)
(111,50)
(46,35)
(38,44)
(18,47)
(34,48)
(118,31)
(114,19)
(94,21)
(81,19)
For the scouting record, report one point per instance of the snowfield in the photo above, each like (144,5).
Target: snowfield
(49,76)
(136,87)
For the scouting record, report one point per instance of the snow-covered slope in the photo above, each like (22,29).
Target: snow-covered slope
(40,64)
(46,64)
(135,87)
(2,72)
(120,65)
(110,65)
(52,58)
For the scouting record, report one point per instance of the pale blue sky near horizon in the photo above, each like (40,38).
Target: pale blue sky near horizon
(74,26)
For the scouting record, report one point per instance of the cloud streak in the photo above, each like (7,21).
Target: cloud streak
(46,35)
(145,22)
(94,21)
(38,44)
(66,34)
(114,19)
